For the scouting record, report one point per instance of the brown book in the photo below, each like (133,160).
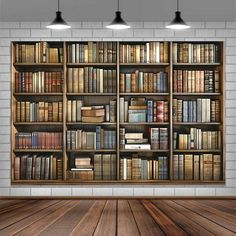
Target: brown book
(217,167)
(17,168)
(207,168)
(92,119)
(93,112)
(196,167)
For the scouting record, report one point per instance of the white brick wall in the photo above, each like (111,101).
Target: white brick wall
(200,31)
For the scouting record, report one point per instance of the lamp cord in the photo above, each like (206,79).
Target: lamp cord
(118,3)
(177,5)
(58,5)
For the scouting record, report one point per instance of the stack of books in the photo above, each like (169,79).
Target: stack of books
(133,141)
(94,114)
(159,138)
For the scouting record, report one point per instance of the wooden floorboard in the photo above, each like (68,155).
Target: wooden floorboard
(117,217)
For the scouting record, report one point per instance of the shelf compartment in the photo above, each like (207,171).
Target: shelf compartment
(143,150)
(91,94)
(92,150)
(37,150)
(82,123)
(197,151)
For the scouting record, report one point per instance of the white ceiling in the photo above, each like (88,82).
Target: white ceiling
(103,10)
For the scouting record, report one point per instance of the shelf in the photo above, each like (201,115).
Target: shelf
(143,150)
(90,64)
(91,94)
(93,150)
(82,123)
(144,64)
(197,123)
(145,123)
(38,94)
(37,150)
(144,94)
(38,123)
(160,182)
(198,151)
(196,64)
(38,64)
(197,94)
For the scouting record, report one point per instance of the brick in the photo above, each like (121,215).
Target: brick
(230,103)
(4,147)
(75,24)
(5,112)
(164,191)
(230,112)
(41,191)
(20,33)
(231,183)
(230,156)
(230,77)
(230,86)
(231,59)
(230,174)
(230,68)
(164,33)
(143,191)
(231,165)
(196,24)
(82,191)
(5,95)
(102,191)
(5,174)
(230,95)
(215,25)
(230,121)
(230,24)
(92,24)
(20,191)
(205,33)
(184,191)
(230,138)
(231,41)
(4,103)
(225,191)
(123,191)
(61,33)
(230,130)
(4,192)
(5,156)
(82,33)
(9,25)
(4,121)
(136,24)
(123,33)
(205,191)
(4,139)
(143,33)
(5,51)
(153,24)
(5,60)
(226,33)
(5,183)
(4,86)
(40,33)
(61,191)
(5,129)
(4,33)
(30,24)
(231,147)
(184,33)
(5,68)
(103,33)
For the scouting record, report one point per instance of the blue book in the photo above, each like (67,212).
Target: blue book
(149,110)
(98,137)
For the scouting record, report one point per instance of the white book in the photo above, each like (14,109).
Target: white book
(208,110)
(73,60)
(138,146)
(157,52)
(101,81)
(126,111)
(73,111)
(147,52)
(122,110)
(69,103)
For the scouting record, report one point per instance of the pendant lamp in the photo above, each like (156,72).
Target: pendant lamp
(58,23)
(118,23)
(178,22)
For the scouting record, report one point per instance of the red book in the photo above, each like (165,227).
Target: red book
(160,111)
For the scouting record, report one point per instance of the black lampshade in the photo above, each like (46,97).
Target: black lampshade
(58,23)
(178,22)
(118,22)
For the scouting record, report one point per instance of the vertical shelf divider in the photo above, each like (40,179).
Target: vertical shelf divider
(118,109)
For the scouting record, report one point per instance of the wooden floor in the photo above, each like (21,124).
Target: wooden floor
(117,217)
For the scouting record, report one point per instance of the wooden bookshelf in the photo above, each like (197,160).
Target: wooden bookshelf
(95,94)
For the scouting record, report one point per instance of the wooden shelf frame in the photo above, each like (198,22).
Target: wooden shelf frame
(64,96)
